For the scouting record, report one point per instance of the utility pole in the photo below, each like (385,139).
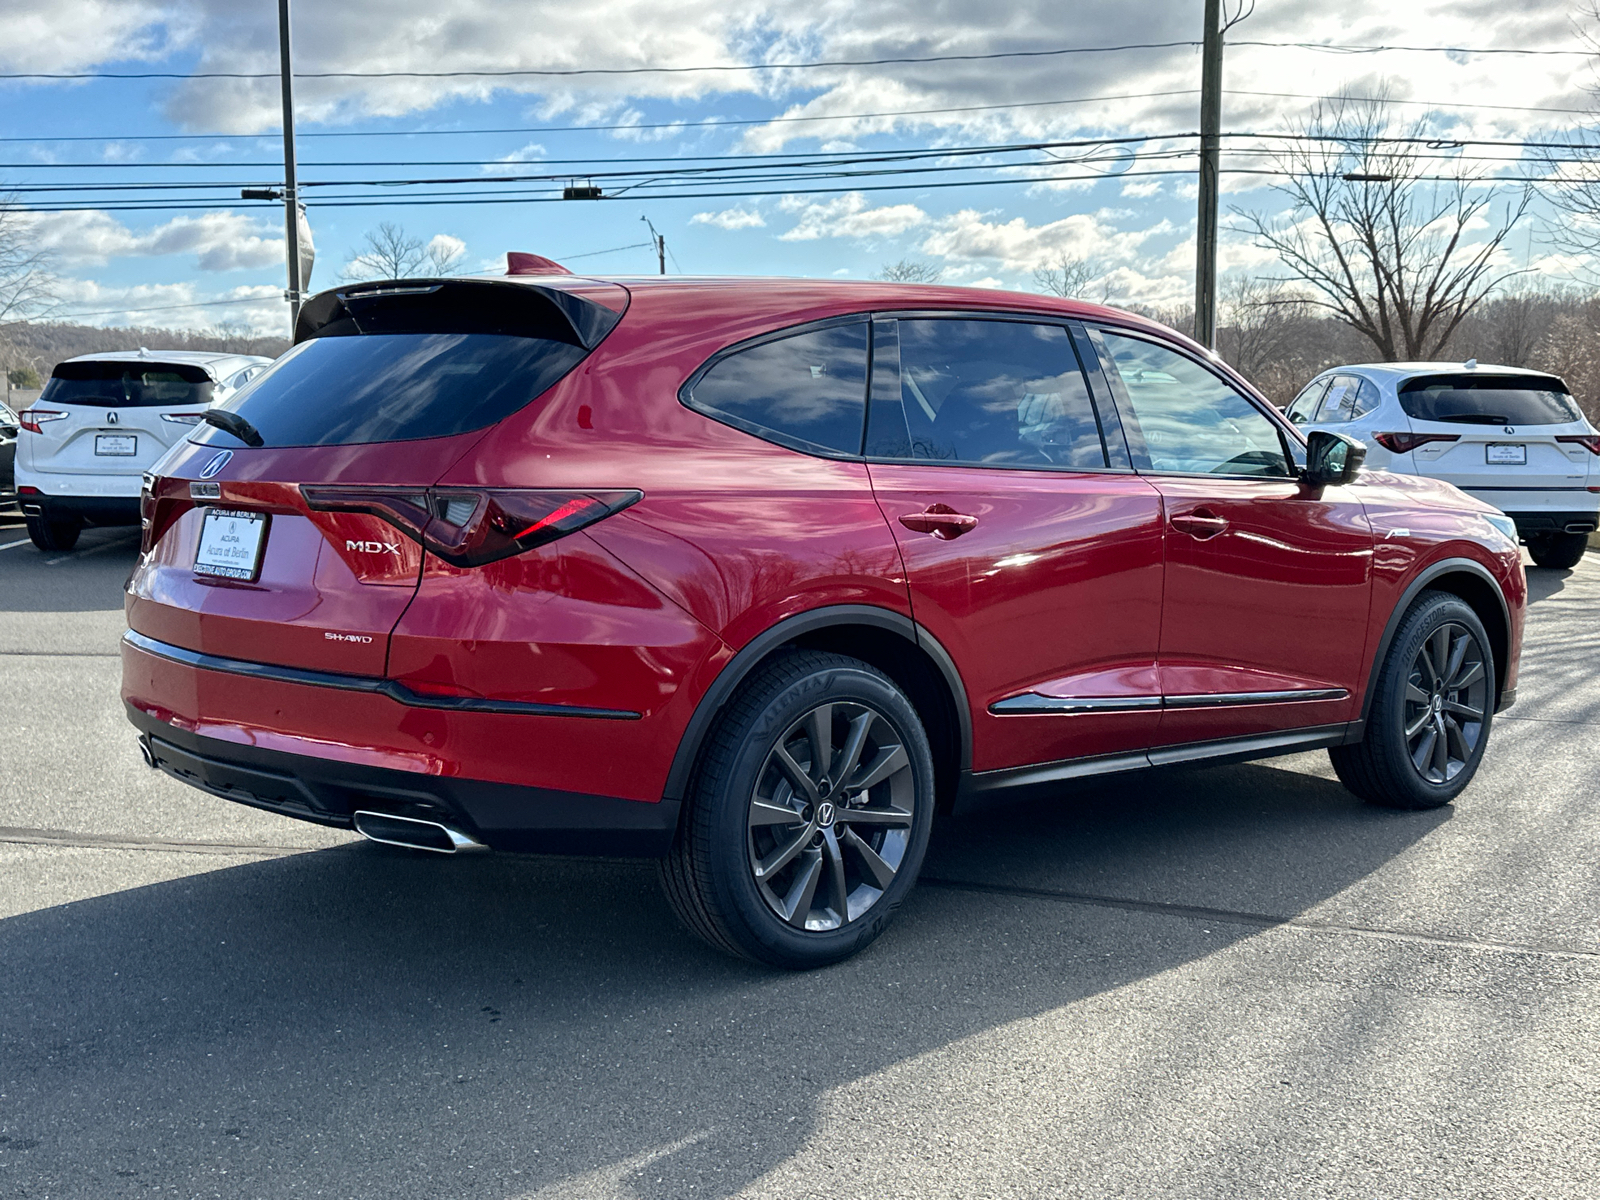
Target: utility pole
(659,242)
(291,191)
(1205,267)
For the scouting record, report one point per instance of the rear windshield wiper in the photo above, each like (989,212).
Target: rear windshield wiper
(1476,419)
(231,422)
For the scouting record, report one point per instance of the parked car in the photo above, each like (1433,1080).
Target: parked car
(757,576)
(101,422)
(1513,438)
(8,454)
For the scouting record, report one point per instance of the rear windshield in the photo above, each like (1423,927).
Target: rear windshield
(1489,400)
(127,385)
(339,391)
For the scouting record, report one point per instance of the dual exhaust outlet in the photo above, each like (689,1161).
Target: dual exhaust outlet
(414,834)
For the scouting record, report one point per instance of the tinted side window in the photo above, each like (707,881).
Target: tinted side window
(1191,421)
(986,393)
(1306,402)
(807,391)
(1350,397)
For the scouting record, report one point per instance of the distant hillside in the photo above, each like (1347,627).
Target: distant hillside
(43,344)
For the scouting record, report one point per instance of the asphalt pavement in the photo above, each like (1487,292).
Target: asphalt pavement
(1234,981)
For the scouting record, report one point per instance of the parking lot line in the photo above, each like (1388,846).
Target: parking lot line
(13,545)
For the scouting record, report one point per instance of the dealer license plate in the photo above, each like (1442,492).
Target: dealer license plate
(1513,454)
(121,445)
(231,543)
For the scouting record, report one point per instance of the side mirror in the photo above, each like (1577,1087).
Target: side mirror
(1332,458)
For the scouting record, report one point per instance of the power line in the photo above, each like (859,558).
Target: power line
(709,123)
(569,72)
(899,60)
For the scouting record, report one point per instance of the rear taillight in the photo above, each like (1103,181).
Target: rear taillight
(147,511)
(31,418)
(1401,442)
(468,527)
(1589,441)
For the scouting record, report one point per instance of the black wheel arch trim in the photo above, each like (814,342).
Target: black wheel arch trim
(787,630)
(1424,577)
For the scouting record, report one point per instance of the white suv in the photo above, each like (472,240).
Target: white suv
(101,421)
(1511,437)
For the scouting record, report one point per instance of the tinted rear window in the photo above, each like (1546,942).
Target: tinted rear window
(807,391)
(339,391)
(1488,400)
(127,385)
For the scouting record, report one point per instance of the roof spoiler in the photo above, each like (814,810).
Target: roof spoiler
(518,309)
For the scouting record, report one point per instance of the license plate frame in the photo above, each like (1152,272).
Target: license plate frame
(103,440)
(231,545)
(1505,454)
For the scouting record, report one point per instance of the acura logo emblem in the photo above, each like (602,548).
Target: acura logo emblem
(111,418)
(216,464)
(1509,429)
(825,814)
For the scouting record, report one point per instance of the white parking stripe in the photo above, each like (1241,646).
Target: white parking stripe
(14,545)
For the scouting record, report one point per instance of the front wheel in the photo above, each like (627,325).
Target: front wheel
(809,817)
(54,533)
(1557,550)
(1432,706)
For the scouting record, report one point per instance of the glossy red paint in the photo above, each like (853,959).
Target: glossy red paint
(1109,585)
(1055,589)
(1267,589)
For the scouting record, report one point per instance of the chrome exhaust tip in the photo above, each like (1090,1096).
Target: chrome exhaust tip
(414,834)
(149,758)
(1580,527)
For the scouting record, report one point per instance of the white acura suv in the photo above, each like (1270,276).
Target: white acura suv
(101,421)
(1511,437)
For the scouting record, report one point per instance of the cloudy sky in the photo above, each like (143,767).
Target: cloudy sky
(1126,204)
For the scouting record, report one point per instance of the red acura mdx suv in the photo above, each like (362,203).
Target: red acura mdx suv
(759,575)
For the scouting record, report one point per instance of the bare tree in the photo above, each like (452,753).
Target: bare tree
(444,253)
(388,252)
(1384,248)
(910,270)
(27,288)
(1263,332)
(1071,277)
(236,337)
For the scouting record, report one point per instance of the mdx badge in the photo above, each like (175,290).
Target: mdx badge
(373,547)
(216,464)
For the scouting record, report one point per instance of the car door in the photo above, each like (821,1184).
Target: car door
(1032,549)
(1268,581)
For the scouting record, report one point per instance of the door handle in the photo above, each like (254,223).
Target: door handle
(940,520)
(1199,524)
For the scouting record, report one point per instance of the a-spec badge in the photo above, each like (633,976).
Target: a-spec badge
(216,464)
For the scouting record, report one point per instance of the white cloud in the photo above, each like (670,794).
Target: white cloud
(219,241)
(849,216)
(730,218)
(172,305)
(1142,189)
(1018,246)
(73,35)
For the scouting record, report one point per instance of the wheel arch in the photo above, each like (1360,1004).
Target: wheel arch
(1479,590)
(888,640)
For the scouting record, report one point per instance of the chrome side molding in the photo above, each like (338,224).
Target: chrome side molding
(1033,704)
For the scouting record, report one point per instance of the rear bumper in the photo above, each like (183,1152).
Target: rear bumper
(1554,521)
(97,510)
(502,816)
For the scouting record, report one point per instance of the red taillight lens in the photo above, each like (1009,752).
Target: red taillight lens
(1589,441)
(1401,442)
(468,527)
(31,418)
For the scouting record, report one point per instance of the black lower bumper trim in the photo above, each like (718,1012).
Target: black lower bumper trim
(97,510)
(503,816)
(1554,522)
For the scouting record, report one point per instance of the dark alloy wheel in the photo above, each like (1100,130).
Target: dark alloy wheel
(1431,710)
(810,817)
(54,533)
(1557,551)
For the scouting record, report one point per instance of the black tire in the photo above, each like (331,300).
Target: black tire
(1400,763)
(54,533)
(734,824)
(1557,550)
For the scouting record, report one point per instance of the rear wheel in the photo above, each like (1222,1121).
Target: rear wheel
(1557,550)
(54,533)
(809,817)
(1431,710)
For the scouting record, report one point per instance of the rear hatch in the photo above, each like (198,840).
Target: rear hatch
(295,538)
(1503,432)
(113,417)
